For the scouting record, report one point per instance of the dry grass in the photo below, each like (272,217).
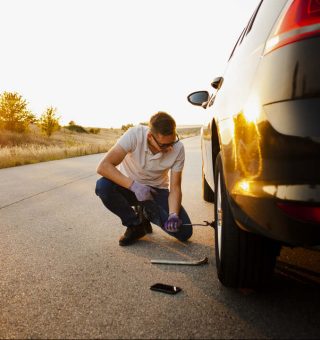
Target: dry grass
(32,147)
(185,132)
(19,155)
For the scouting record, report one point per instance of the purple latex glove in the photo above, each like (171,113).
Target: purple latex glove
(173,223)
(143,192)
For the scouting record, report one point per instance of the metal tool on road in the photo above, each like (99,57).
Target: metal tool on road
(192,262)
(187,263)
(204,224)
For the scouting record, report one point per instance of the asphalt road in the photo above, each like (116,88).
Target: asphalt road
(63,274)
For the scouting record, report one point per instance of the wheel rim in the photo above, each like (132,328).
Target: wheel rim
(219,217)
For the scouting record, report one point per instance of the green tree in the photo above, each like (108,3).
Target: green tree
(48,121)
(14,115)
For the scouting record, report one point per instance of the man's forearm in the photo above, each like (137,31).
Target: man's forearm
(174,200)
(109,171)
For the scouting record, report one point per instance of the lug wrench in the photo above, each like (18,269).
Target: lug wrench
(192,262)
(188,263)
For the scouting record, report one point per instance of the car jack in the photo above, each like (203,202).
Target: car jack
(204,224)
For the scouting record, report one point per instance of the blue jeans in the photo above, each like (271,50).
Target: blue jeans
(120,201)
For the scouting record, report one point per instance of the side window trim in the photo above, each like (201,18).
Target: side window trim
(246,30)
(249,27)
(236,44)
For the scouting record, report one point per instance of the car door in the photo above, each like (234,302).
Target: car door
(237,97)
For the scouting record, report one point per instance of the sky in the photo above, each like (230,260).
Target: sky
(105,63)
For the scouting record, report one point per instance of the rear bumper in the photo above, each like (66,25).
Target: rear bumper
(258,212)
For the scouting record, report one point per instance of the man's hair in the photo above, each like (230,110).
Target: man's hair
(162,123)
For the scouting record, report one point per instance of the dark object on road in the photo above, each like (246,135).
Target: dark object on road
(178,262)
(261,149)
(163,288)
(132,234)
(204,224)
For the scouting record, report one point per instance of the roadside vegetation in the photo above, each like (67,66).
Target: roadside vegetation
(26,139)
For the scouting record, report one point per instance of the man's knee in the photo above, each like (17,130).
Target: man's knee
(104,187)
(184,235)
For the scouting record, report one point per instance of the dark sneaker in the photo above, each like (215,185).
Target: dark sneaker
(147,227)
(143,220)
(132,234)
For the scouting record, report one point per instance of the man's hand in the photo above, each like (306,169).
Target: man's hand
(173,223)
(143,192)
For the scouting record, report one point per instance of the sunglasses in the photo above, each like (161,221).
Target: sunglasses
(165,145)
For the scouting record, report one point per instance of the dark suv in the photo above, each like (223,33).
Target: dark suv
(261,150)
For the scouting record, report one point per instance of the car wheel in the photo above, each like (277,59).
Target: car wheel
(243,259)
(207,193)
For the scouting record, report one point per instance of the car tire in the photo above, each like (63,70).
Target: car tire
(207,192)
(243,259)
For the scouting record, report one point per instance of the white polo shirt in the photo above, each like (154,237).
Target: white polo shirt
(141,165)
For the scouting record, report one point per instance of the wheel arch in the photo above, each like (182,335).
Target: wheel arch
(215,143)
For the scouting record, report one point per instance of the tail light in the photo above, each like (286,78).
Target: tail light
(301,212)
(299,20)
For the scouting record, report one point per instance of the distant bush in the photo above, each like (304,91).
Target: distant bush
(95,131)
(49,122)
(76,128)
(126,127)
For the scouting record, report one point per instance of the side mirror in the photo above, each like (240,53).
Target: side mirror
(198,98)
(217,83)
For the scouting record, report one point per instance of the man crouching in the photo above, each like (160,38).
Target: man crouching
(135,183)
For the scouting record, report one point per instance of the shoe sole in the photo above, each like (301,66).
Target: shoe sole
(125,242)
(149,230)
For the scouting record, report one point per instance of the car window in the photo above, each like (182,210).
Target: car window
(245,30)
(259,28)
